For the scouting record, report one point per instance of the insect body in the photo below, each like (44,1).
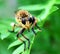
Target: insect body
(26,21)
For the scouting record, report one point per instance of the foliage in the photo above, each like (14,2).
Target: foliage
(43,10)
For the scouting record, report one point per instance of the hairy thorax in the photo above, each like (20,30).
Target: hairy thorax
(22,18)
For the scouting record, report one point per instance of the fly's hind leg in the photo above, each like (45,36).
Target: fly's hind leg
(21,39)
(33,30)
(35,24)
(27,40)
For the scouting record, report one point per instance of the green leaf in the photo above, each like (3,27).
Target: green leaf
(4,35)
(53,9)
(3,47)
(4,31)
(57,2)
(42,16)
(19,49)
(4,27)
(33,7)
(15,43)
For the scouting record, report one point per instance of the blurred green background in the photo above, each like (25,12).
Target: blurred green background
(47,41)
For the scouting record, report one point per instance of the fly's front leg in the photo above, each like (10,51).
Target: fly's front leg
(13,27)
